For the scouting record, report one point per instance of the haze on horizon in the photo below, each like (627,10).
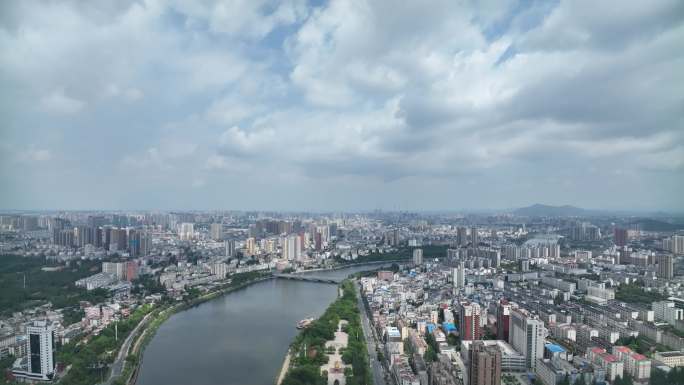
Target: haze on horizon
(341,105)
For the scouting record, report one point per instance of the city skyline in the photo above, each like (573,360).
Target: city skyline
(342,192)
(457,299)
(341,106)
(546,211)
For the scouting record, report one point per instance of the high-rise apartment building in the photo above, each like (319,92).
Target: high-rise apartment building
(127,271)
(250,246)
(118,269)
(665,266)
(216,230)
(620,237)
(474,237)
(469,321)
(460,275)
(462,236)
(63,237)
(503,319)
(219,269)
(674,244)
(131,271)
(296,241)
(290,248)
(230,248)
(270,246)
(41,340)
(667,311)
(392,238)
(318,241)
(301,238)
(118,239)
(585,232)
(526,335)
(28,222)
(40,346)
(418,257)
(484,364)
(133,242)
(186,231)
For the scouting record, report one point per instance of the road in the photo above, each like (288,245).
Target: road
(118,364)
(376,366)
(462,367)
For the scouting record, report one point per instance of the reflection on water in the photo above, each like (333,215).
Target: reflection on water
(238,339)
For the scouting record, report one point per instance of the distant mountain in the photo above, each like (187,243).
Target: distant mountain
(539,210)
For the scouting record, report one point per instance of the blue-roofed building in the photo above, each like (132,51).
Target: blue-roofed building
(430,328)
(449,327)
(554,350)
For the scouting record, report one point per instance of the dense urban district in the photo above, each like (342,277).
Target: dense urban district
(539,295)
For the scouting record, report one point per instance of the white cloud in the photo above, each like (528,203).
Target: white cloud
(60,103)
(375,92)
(242,19)
(230,111)
(131,94)
(33,154)
(151,158)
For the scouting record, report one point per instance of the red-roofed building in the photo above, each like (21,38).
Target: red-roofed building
(609,357)
(621,349)
(598,350)
(612,364)
(637,365)
(638,356)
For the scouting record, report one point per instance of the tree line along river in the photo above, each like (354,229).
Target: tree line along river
(240,338)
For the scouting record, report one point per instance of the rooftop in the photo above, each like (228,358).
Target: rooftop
(553,348)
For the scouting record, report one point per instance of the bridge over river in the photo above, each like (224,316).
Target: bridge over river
(308,278)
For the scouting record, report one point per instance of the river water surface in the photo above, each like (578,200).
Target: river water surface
(240,338)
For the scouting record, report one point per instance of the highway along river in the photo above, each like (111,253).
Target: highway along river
(240,338)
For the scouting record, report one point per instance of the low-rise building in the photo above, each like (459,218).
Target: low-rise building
(552,371)
(637,365)
(667,311)
(96,281)
(613,366)
(511,360)
(403,375)
(671,359)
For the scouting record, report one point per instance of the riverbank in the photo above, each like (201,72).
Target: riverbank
(311,350)
(284,368)
(134,357)
(146,364)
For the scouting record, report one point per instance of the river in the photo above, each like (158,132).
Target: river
(240,338)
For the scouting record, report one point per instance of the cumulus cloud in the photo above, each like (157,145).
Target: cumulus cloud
(242,19)
(374,95)
(58,102)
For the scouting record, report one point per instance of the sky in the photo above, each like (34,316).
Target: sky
(341,105)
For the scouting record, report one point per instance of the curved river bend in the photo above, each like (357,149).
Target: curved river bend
(240,338)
